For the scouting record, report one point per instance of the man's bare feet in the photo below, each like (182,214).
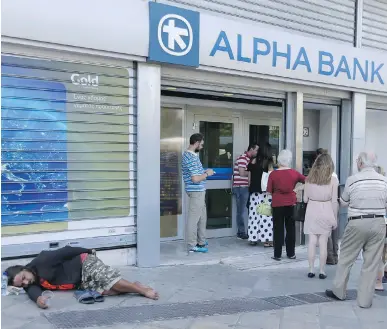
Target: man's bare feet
(148,291)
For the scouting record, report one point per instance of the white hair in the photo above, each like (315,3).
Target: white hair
(368,159)
(285,158)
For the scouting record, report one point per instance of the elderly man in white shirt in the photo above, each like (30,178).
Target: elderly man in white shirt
(365,195)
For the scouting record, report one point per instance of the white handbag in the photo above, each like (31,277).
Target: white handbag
(264,180)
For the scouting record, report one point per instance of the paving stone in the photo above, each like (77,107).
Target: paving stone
(338,309)
(190,294)
(38,323)
(229,320)
(208,325)
(374,325)
(340,322)
(298,325)
(233,292)
(174,324)
(374,313)
(260,320)
(16,323)
(304,313)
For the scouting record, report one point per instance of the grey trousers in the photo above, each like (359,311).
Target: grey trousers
(333,247)
(197,219)
(367,235)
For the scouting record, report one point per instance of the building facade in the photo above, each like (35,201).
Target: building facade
(99,100)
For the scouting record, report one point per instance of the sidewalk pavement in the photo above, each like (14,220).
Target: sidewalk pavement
(236,292)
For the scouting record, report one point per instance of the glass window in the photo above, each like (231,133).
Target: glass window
(218,148)
(219,208)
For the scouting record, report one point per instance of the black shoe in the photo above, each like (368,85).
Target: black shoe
(311,275)
(322,276)
(242,236)
(276,258)
(292,257)
(330,294)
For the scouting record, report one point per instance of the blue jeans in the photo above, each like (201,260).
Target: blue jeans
(242,196)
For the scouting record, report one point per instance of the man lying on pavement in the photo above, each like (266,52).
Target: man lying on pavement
(71,268)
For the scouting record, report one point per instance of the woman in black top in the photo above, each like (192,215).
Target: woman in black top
(260,227)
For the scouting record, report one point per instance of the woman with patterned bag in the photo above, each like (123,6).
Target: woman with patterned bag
(260,224)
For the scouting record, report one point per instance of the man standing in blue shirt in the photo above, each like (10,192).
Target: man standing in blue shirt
(194,178)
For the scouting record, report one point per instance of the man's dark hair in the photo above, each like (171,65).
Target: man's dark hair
(252,146)
(195,138)
(12,271)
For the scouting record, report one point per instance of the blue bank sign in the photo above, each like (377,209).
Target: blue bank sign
(173,35)
(257,48)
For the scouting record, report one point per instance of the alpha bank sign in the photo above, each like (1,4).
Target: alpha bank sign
(185,37)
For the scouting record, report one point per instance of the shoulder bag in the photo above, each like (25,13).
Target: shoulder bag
(299,210)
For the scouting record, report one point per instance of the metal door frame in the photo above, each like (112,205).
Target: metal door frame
(193,119)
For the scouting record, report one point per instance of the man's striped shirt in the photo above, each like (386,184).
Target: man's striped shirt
(191,166)
(241,162)
(365,193)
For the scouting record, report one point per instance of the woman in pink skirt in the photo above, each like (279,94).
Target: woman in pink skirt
(321,213)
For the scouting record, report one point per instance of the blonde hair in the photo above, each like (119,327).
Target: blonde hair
(322,170)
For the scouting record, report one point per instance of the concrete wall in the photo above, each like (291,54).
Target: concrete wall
(376,135)
(311,121)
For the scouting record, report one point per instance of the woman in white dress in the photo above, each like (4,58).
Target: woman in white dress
(260,224)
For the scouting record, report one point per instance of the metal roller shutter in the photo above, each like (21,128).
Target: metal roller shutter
(68,151)
(377,103)
(331,19)
(374,24)
(206,82)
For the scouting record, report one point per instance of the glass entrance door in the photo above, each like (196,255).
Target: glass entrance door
(218,154)
(264,131)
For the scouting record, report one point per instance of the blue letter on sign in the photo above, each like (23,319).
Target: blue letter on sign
(240,58)
(218,47)
(286,55)
(302,59)
(376,72)
(258,52)
(358,67)
(343,67)
(326,62)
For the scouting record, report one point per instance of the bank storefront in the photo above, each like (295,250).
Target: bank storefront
(93,129)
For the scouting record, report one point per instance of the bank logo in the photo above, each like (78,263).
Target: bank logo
(174,35)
